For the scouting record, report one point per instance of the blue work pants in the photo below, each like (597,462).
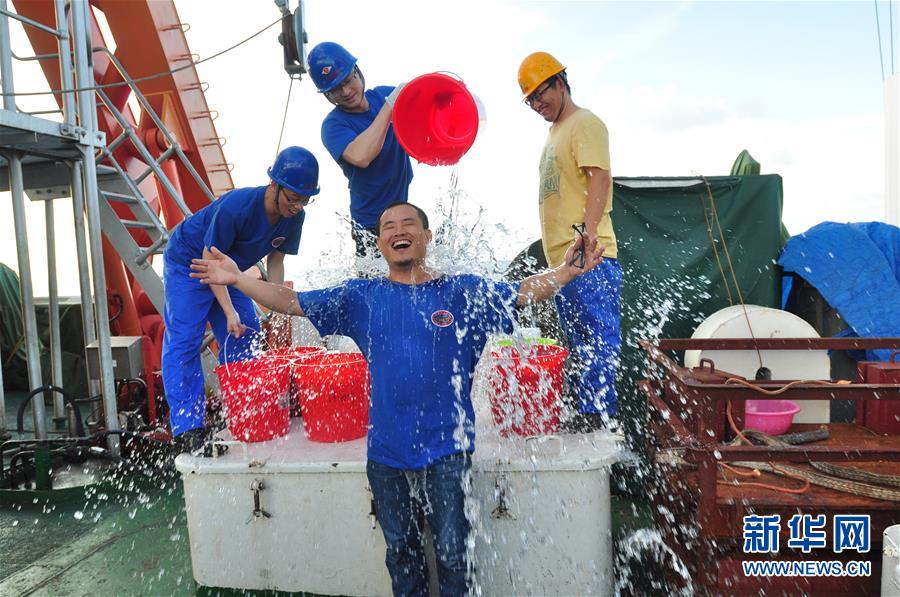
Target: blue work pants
(189,306)
(589,310)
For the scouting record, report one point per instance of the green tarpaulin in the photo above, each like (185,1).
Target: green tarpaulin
(745,165)
(672,279)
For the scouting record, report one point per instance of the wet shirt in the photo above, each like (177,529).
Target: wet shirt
(422,343)
(386,180)
(236,224)
(579,141)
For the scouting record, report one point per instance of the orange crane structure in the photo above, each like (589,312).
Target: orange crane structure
(137,151)
(144,59)
(148,40)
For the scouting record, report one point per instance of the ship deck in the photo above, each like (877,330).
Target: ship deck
(130,537)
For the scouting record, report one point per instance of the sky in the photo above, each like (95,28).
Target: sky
(683,87)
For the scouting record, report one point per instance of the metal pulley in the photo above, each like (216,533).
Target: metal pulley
(293,38)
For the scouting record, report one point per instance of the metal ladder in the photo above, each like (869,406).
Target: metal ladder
(116,186)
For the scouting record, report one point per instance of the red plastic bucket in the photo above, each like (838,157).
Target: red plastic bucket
(435,119)
(334,395)
(526,389)
(256,395)
(293,356)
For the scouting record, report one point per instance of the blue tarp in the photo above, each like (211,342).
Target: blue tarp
(856,269)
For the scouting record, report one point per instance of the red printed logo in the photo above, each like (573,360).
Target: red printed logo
(442,318)
(326,70)
(277,242)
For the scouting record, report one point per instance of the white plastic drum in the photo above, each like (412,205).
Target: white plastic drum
(890,562)
(731,322)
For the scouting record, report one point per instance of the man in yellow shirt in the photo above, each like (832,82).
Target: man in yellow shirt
(576,199)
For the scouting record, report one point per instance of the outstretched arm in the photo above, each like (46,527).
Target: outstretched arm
(541,287)
(221,270)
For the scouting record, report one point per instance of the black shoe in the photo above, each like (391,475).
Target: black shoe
(198,442)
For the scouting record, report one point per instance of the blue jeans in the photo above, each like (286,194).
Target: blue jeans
(589,313)
(404,499)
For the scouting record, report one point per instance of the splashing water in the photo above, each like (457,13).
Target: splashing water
(465,243)
(646,549)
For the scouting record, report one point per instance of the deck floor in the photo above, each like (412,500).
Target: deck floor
(131,542)
(130,538)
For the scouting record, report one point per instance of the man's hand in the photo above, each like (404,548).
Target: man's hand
(592,258)
(235,327)
(540,287)
(221,269)
(393,95)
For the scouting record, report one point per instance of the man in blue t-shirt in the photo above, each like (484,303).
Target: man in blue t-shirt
(359,136)
(247,224)
(422,333)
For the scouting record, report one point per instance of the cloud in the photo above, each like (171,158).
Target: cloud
(632,39)
(832,165)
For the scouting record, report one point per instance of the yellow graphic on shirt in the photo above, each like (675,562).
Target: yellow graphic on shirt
(549,174)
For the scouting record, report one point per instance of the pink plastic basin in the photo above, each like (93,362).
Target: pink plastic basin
(770,416)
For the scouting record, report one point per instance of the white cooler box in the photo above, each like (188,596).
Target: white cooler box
(294,515)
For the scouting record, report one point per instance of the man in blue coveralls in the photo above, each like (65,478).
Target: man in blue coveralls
(359,136)
(422,333)
(248,224)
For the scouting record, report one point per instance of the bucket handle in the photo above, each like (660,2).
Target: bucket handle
(542,439)
(452,74)
(225,346)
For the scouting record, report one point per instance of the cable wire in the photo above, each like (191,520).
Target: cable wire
(878,29)
(287,103)
(891,22)
(712,243)
(147,77)
(737,285)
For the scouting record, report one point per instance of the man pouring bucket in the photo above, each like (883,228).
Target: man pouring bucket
(372,133)
(359,136)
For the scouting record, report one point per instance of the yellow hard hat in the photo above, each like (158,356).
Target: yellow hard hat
(537,68)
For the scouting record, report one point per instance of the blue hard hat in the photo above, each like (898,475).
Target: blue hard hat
(296,169)
(329,65)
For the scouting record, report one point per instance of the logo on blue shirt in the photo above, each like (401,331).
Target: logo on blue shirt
(276,242)
(442,318)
